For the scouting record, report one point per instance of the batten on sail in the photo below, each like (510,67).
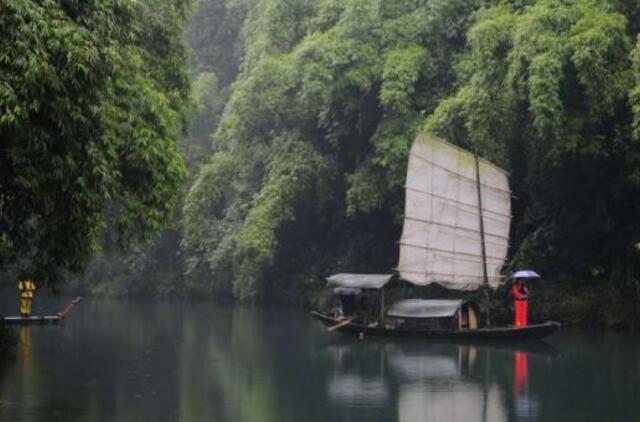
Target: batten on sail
(441,240)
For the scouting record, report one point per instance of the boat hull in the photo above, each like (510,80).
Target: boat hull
(534,331)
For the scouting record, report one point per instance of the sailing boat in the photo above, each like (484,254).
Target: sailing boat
(456,234)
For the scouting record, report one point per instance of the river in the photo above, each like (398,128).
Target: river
(195,361)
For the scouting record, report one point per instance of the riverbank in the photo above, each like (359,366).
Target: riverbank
(589,305)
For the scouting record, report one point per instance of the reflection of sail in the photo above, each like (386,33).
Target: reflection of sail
(353,389)
(441,238)
(463,401)
(435,387)
(415,367)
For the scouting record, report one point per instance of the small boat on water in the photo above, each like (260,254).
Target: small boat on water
(40,319)
(389,329)
(456,234)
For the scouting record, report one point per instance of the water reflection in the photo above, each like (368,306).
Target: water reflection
(434,382)
(354,381)
(191,362)
(526,405)
(24,347)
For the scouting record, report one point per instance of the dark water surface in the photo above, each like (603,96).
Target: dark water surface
(179,361)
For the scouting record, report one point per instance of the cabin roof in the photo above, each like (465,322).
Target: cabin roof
(420,308)
(346,291)
(359,281)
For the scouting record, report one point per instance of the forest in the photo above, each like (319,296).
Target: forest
(243,150)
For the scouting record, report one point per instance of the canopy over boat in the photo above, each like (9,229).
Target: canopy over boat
(358,281)
(346,291)
(420,308)
(457,217)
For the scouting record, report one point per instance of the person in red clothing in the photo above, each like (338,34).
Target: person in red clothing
(520,296)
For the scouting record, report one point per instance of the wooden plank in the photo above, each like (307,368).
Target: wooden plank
(34,319)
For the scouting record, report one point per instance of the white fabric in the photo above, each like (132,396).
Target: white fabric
(441,239)
(525,274)
(359,281)
(420,308)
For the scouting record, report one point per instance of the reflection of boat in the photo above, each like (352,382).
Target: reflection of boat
(421,381)
(390,343)
(456,234)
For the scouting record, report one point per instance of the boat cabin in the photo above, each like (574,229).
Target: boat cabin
(413,314)
(347,286)
(434,314)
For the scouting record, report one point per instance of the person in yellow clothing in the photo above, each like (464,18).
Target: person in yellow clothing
(26,288)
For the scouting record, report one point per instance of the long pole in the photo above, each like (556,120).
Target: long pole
(69,307)
(485,276)
(381,305)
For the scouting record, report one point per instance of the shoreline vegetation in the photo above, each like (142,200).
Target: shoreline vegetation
(242,150)
(306,112)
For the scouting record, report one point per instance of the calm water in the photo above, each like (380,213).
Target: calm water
(130,361)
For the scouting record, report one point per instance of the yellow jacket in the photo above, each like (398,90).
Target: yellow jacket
(26,287)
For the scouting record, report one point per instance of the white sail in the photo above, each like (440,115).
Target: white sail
(441,239)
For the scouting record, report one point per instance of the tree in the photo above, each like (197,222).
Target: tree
(546,91)
(92,98)
(312,144)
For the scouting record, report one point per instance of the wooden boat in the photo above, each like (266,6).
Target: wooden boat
(530,332)
(456,234)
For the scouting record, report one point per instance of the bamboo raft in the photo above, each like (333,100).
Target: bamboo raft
(41,319)
(34,319)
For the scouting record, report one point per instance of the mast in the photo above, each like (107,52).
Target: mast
(381,304)
(485,276)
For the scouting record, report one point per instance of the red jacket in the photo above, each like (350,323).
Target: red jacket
(520,293)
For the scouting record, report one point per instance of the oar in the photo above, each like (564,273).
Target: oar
(69,307)
(342,324)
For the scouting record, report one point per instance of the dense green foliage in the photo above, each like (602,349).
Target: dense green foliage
(548,89)
(157,268)
(93,95)
(318,126)
(305,111)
